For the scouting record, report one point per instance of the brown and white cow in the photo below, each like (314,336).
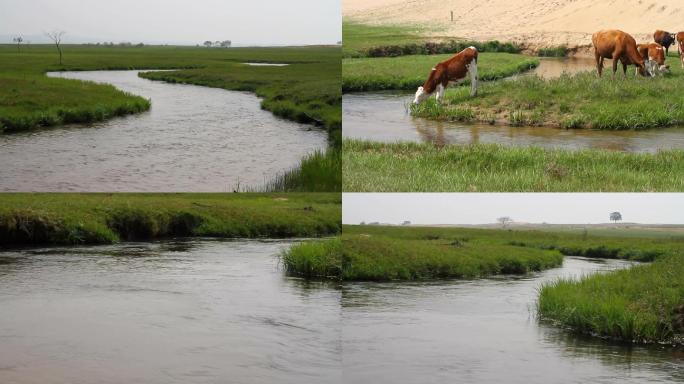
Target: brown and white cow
(654,58)
(616,45)
(450,71)
(664,38)
(680,46)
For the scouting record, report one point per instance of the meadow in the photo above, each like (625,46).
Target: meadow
(71,219)
(410,72)
(581,100)
(424,167)
(307,90)
(378,253)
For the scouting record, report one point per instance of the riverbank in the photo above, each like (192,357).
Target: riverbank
(34,219)
(581,100)
(381,253)
(643,304)
(410,72)
(424,167)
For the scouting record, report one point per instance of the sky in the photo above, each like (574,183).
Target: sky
(246,23)
(485,208)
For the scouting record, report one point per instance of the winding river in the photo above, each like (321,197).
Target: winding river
(383,116)
(210,311)
(194,139)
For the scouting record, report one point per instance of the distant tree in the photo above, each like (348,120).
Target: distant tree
(505,220)
(18,40)
(363,223)
(217,43)
(615,217)
(226,44)
(406,223)
(208,44)
(56,37)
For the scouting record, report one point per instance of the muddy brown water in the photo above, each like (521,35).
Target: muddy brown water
(209,311)
(383,116)
(194,139)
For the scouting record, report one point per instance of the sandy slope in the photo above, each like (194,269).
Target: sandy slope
(532,23)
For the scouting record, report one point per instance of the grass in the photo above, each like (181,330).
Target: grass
(410,72)
(423,167)
(307,90)
(572,101)
(560,51)
(377,253)
(643,304)
(362,40)
(31,219)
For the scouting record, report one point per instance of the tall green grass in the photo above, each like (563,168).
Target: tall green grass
(572,101)
(317,172)
(423,167)
(642,304)
(410,72)
(30,219)
(314,259)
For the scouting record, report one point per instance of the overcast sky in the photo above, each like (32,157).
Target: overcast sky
(484,208)
(250,22)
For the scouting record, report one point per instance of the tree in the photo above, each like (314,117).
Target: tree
(56,37)
(226,44)
(18,40)
(208,44)
(615,217)
(505,220)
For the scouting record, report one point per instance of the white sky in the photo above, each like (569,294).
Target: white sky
(484,208)
(250,22)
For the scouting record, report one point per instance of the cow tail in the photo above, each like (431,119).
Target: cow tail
(473,77)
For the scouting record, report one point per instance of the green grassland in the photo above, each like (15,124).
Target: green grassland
(307,90)
(31,219)
(358,38)
(410,72)
(582,100)
(423,167)
(409,253)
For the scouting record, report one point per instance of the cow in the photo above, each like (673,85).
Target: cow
(665,39)
(654,58)
(450,71)
(680,46)
(616,45)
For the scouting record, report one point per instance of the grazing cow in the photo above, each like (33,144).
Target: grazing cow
(654,58)
(616,45)
(448,71)
(680,46)
(665,39)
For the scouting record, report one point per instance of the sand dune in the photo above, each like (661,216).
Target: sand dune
(532,23)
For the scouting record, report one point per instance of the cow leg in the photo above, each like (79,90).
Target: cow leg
(599,62)
(615,61)
(624,69)
(472,69)
(440,93)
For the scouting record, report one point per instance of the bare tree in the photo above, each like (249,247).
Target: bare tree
(56,37)
(505,220)
(18,40)
(615,217)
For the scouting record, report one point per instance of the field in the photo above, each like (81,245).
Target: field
(411,253)
(306,91)
(32,219)
(410,72)
(424,167)
(358,38)
(579,101)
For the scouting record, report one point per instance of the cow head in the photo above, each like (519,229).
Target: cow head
(641,68)
(421,95)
